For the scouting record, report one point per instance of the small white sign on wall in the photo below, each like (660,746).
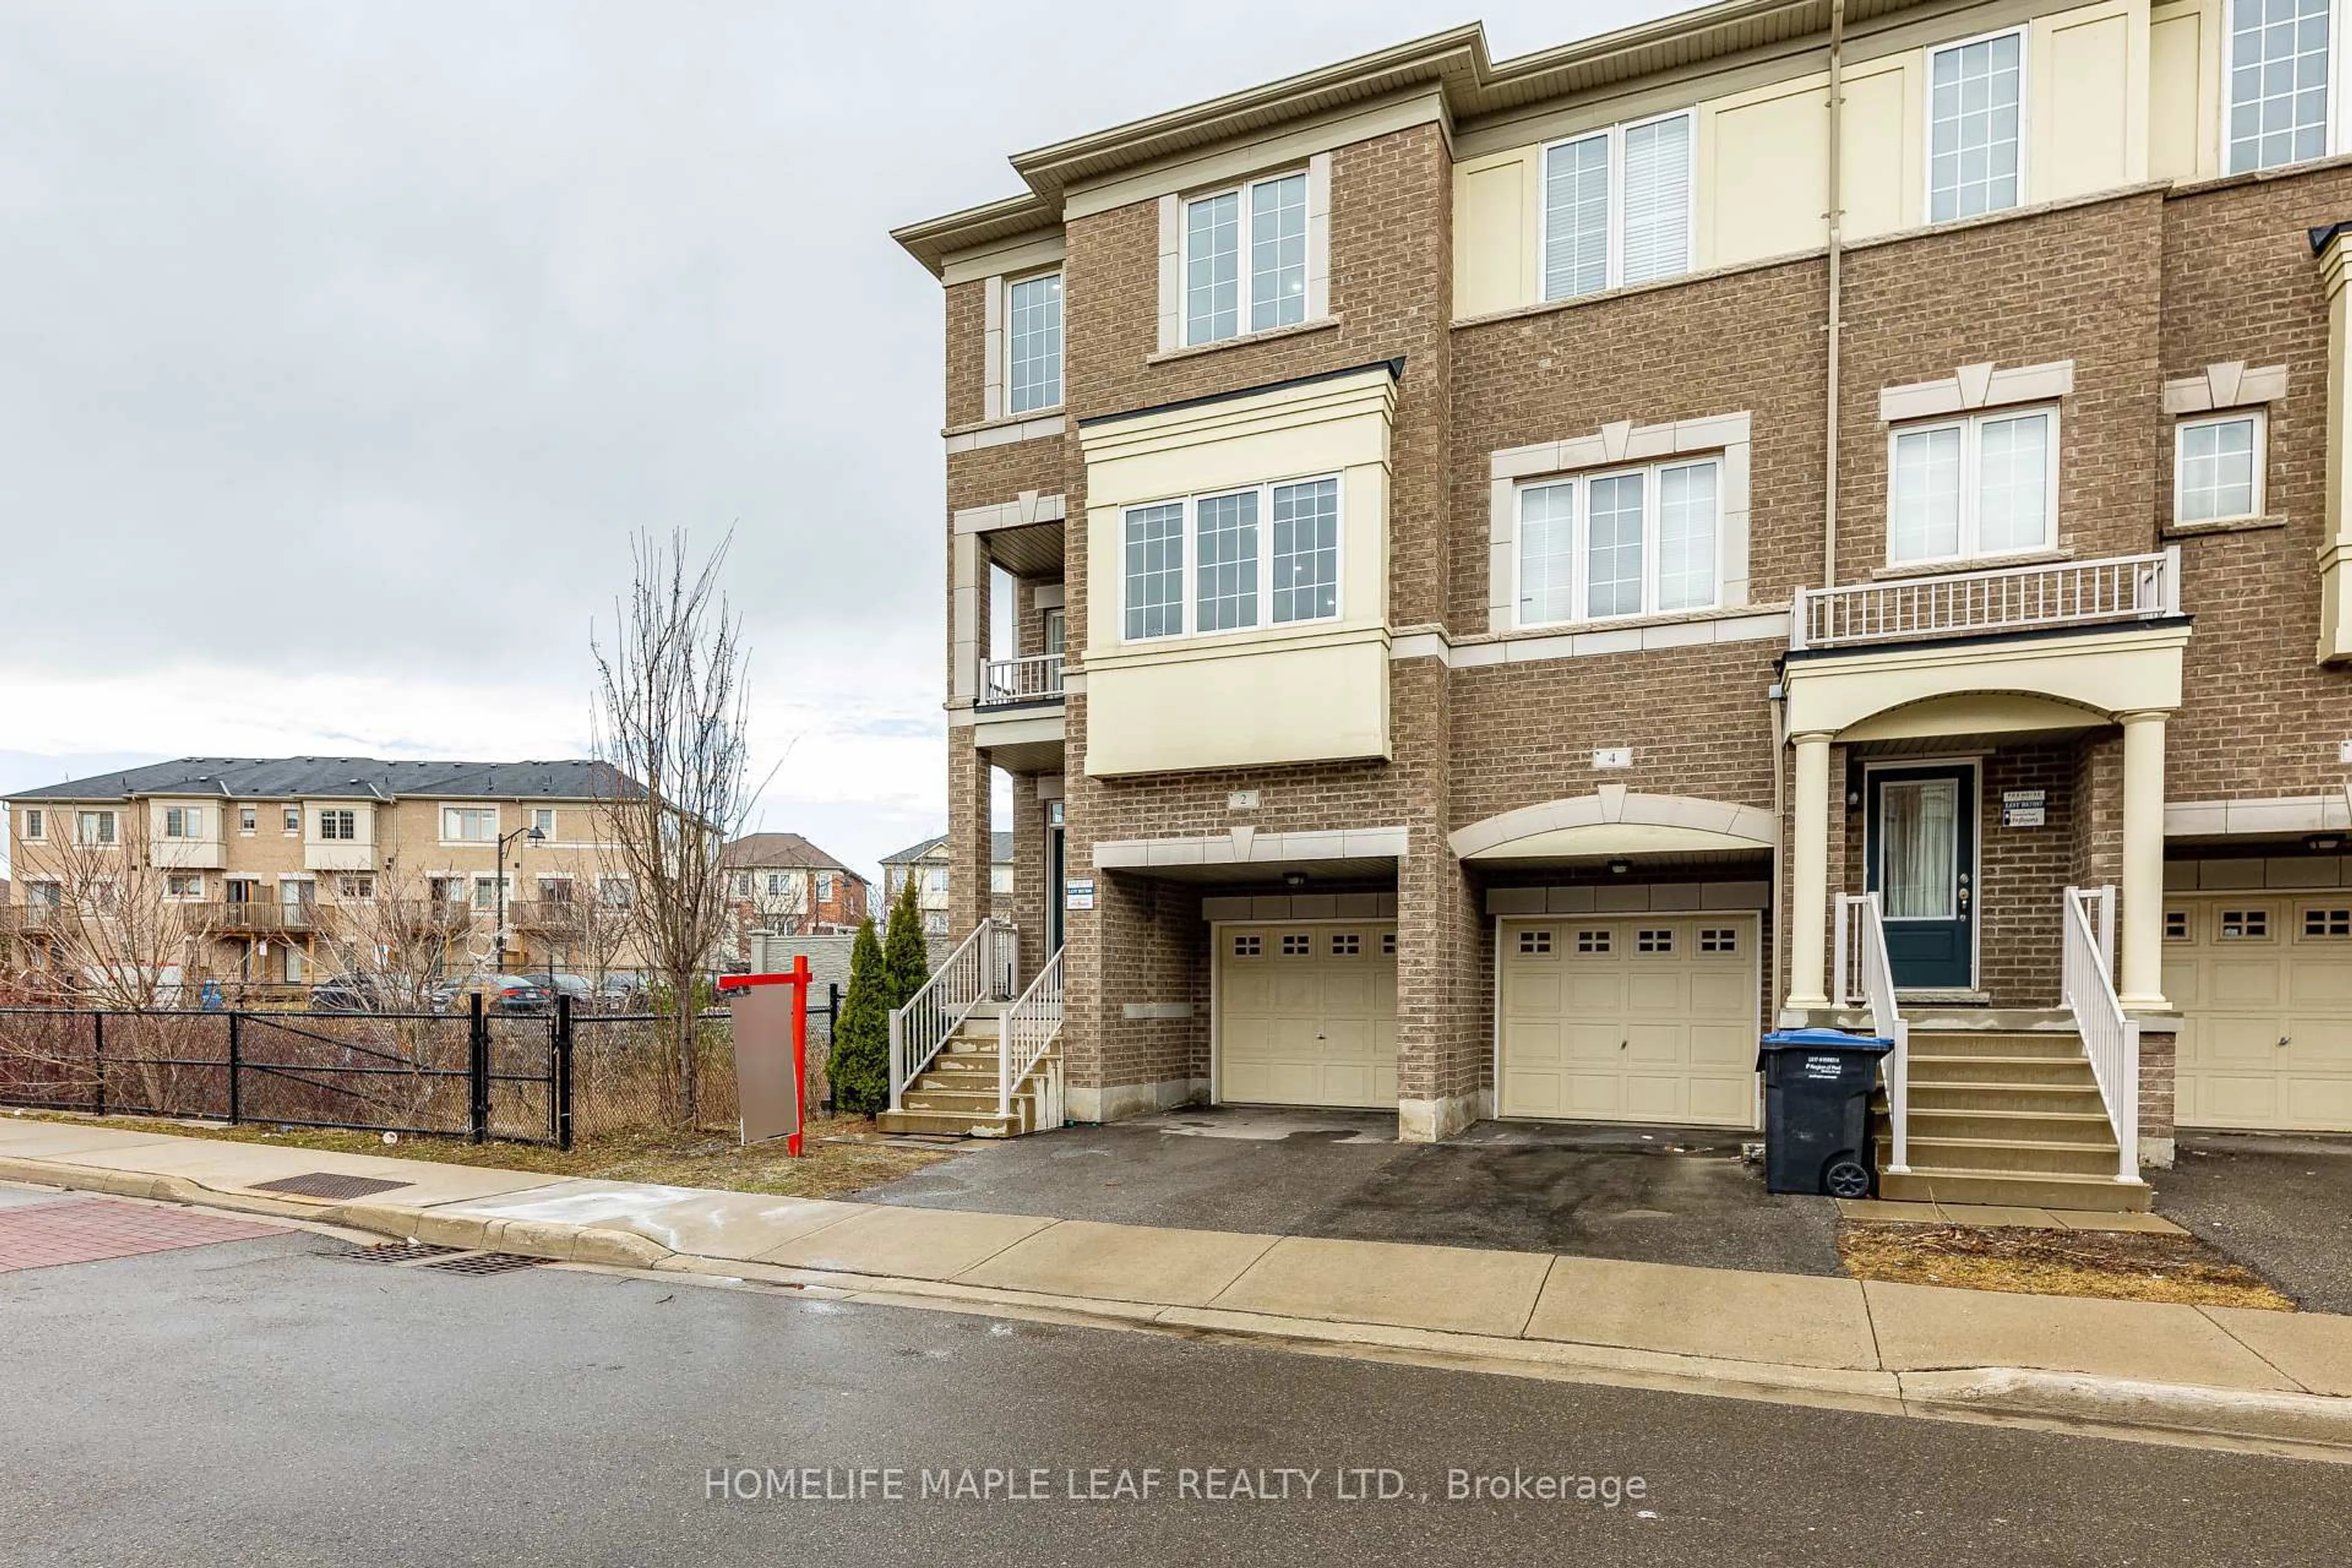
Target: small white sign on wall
(1241,800)
(1613,757)
(1079,893)
(2024,808)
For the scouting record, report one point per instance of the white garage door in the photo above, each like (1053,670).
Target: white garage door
(1307,1014)
(2263,984)
(1630,1019)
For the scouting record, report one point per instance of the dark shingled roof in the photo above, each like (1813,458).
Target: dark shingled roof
(1001,851)
(360,778)
(782,849)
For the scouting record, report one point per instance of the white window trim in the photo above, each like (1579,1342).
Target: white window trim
(1579,565)
(35,829)
(2024,120)
(1615,272)
(1061,360)
(193,878)
(95,839)
(1189,626)
(2262,452)
(2339,85)
(498,824)
(1242,271)
(1967,425)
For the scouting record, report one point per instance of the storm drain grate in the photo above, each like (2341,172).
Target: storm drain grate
(327,1185)
(480,1263)
(397,1252)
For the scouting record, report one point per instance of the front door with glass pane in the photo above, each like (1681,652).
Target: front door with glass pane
(1921,849)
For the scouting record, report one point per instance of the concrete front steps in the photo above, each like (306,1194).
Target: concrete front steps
(956,1095)
(2010,1117)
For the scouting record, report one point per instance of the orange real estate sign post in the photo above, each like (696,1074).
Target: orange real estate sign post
(771,1082)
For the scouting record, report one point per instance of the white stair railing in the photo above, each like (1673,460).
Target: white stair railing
(974,972)
(1025,1034)
(1862,954)
(2109,1038)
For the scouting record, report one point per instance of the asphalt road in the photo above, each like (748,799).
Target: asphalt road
(268,1402)
(2280,1205)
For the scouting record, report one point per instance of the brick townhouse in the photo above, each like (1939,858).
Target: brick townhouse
(1530,573)
(280,872)
(783,884)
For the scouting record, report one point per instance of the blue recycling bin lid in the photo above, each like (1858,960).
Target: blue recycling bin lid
(1825,1039)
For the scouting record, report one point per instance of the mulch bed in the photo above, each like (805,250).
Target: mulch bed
(2124,1266)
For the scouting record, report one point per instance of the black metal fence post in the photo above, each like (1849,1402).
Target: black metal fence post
(561,1088)
(477,1041)
(236,1049)
(98,1059)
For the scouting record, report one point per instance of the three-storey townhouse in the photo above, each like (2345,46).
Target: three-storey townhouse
(1795,512)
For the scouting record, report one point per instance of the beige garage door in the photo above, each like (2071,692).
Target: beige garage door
(2263,983)
(1630,1019)
(1307,1014)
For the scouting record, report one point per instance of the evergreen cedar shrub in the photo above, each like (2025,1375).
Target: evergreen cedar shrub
(858,1065)
(905,955)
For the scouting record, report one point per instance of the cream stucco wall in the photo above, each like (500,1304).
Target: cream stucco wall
(1307,691)
(2184,87)
(1763,151)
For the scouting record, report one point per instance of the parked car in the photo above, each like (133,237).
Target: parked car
(500,993)
(622,991)
(572,985)
(349,992)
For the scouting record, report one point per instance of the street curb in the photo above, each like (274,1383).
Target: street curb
(2308,1426)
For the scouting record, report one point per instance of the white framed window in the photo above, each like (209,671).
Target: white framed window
(1535,943)
(615,893)
(1657,938)
(355,890)
(824,887)
(1244,258)
(1249,946)
(1348,944)
(2245,925)
(1267,555)
(1975,126)
(1985,485)
(1718,939)
(1000,879)
(1617,206)
(2176,925)
(36,824)
(94,827)
(2217,467)
(184,822)
(470,823)
(1623,541)
(555,889)
(183,887)
(1299,945)
(248,819)
(1032,342)
(2326,922)
(543,818)
(1592,941)
(293,818)
(2277,83)
(339,825)
(1056,631)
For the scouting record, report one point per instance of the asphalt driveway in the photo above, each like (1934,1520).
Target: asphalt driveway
(2282,1205)
(1649,1194)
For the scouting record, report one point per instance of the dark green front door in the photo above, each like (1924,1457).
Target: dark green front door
(1921,844)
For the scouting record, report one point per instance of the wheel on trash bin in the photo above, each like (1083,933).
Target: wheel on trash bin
(1846,1176)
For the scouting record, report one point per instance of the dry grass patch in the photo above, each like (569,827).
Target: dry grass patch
(2117,1266)
(844,1155)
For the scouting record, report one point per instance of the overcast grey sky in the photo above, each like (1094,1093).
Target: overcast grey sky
(342,345)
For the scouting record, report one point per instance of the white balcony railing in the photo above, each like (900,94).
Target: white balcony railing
(1967,603)
(2109,1038)
(1862,964)
(1035,679)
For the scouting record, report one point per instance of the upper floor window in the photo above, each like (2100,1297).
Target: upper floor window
(615,893)
(1617,206)
(470,823)
(2217,470)
(1245,260)
(184,822)
(1629,542)
(1267,556)
(1985,485)
(293,819)
(555,889)
(339,825)
(824,887)
(94,827)
(44,894)
(543,818)
(2276,79)
(35,823)
(244,819)
(1032,342)
(1975,133)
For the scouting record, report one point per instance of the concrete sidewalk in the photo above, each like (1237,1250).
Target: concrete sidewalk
(2276,1380)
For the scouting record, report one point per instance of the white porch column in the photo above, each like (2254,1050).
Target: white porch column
(2141,980)
(1809,876)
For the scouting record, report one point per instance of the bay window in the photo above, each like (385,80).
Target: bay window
(1627,541)
(1245,260)
(1617,206)
(1264,555)
(1985,485)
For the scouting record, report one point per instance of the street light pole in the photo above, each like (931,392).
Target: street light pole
(498,922)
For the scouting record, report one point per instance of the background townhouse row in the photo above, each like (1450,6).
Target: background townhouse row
(266,872)
(1502,553)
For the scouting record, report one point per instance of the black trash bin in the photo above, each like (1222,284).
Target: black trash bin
(1817,1089)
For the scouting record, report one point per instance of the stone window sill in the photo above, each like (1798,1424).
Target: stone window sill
(1296,329)
(1968,564)
(2222,525)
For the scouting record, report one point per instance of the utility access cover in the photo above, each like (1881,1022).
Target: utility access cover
(328,1184)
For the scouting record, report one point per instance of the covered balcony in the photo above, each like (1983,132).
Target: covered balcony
(1013,703)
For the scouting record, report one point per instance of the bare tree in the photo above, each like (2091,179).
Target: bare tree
(122,933)
(672,716)
(393,946)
